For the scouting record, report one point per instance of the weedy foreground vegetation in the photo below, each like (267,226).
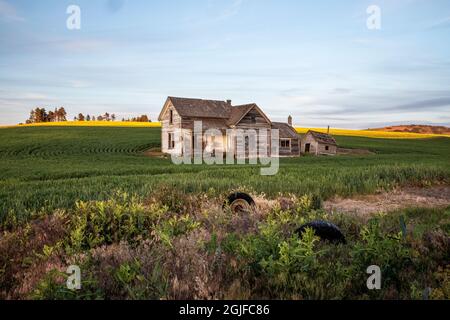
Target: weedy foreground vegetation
(142,228)
(177,246)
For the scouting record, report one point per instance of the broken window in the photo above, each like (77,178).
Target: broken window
(171,139)
(285,143)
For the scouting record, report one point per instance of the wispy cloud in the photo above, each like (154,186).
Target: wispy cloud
(8,12)
(424,105)
(341,90)
(219,12)
(115,5)
(441,23)
(84,45)
(231,10)
(79,84)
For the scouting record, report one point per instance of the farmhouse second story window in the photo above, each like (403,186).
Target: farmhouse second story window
(171,141)
(285,143)
(171,117)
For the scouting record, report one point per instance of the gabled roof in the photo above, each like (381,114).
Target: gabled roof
(217,109)
(285,130)
(198,108)
(322,137)
(239,112)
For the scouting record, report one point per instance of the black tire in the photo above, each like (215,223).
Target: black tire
(239,202)
(324,230)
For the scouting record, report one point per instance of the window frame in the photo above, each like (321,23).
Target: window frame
(287,143)
(171,141)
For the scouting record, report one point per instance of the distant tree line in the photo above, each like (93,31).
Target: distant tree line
(88,117)
(110,117)
(39,115)
(143,118)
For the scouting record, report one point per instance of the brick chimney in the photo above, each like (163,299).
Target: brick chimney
(290,120)
(229,102)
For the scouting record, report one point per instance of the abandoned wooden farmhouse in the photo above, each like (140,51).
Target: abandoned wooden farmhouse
(179,114)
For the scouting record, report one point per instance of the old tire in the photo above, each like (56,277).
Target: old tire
(239,202)
(324,230)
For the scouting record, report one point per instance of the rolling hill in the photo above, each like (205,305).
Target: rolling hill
(415,128)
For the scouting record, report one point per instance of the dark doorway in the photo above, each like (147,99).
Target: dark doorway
(307,147)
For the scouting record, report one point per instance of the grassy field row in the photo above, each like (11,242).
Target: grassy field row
(45,168)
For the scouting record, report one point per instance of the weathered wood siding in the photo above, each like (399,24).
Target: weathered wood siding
(244,146)
(168,127)
(206,142)
(184,141)
(293,150)
(322,149)
(312,142)
(253,120)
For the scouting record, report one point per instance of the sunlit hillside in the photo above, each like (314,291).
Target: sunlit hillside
(373,134)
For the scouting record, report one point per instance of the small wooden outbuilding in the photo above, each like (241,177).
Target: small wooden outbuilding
(318,143)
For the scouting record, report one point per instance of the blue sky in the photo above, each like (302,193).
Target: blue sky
(315,60)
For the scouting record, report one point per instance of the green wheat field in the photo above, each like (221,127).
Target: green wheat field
(45,168)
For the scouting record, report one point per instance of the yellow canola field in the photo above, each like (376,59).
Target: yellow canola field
(338,132)
(90,124)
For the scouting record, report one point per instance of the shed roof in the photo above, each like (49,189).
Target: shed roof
(285,130)
(322,137)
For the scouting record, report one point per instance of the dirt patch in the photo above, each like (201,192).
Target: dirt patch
(155,153)
(432,197)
